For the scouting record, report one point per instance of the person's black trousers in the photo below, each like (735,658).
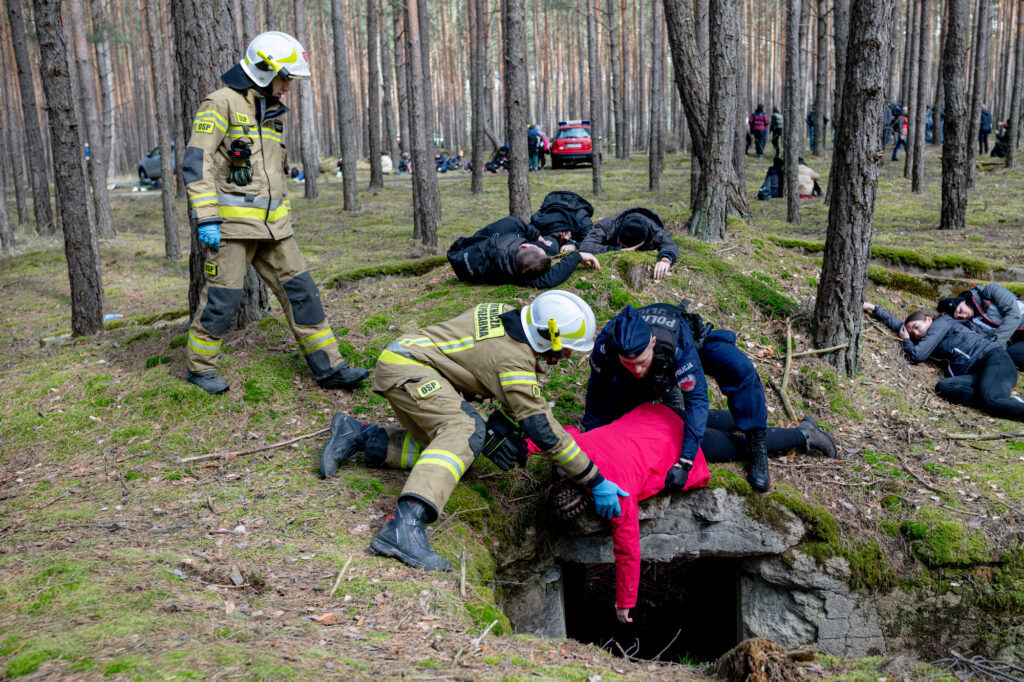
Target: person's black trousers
(987,387)
(983,143)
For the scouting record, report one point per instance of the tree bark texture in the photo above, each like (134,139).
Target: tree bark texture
(373,95)
(921,100)
(387,71)
(172,246)
(615,51)
(821,77)
(307,127)
(841,33)
(34,148)
(708,220)
(956,132)
(594,71)
(476,92)
(6,231)
(742,107)
(105,72)
(791,111)
(940,87)
(1017,92)
(429,115)
(910,98)
(16,157)
(838,316)
(655,144)
(979,91)
(346,107)
(426,197)
(401,76)
(513,22)
(81,248)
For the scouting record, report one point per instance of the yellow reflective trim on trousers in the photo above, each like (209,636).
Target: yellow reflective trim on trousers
(323,344)
(255,213)
(203,347)
(410,452)
(568,454)
(317,335)
(394,358)
(443,458)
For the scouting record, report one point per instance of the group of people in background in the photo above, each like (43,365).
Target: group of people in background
(895,125)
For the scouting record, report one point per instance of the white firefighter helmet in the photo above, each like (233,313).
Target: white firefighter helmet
(559,319)
(274,53)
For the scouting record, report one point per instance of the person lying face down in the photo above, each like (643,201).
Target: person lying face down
(508,252)
(981,372)
(635,229)
(637,451)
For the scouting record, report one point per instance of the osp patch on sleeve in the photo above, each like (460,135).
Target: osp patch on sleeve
(428,388)
(210,269)
(487,321)
(204,127)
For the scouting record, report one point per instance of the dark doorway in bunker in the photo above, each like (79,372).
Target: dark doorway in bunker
(699,600)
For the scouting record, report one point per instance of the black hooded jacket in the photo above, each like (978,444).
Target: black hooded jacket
(604,235)
(564,211)
(946,341)
(489,256)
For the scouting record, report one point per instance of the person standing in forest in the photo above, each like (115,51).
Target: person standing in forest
(776,129)
(810,128)
(759,129)
(899,131)
(984,129)
(233,172)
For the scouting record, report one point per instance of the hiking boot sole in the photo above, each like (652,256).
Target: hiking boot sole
(385,548)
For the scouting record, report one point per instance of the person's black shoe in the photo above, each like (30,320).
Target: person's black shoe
(404,537)
(208,381)
(757,461)
(818,442)
(346,439)
(346,377)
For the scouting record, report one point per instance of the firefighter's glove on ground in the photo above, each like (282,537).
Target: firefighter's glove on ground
(606,498)
(676,477)
(209,234)
(505,445)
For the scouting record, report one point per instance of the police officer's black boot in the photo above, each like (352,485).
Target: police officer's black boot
(404,537)
(818,442)
(346,439)
(757,461)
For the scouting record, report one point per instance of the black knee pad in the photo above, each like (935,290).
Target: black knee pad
(319,364)
(305,299)
(476,441)
(376,451)
(221,306)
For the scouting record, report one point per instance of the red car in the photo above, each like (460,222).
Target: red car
(571,144)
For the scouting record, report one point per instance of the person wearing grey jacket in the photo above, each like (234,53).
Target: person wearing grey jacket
(993,311)
(981,373)
(637,229)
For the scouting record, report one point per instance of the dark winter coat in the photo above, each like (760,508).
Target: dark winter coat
(986,121)
(489,256)
(563,211)
(947,341)
(998,313)
(776,125)
(772,187)
(604,235)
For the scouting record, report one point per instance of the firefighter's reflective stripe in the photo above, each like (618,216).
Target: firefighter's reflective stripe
(421,341)
(513,378)
(203,347)
(239,131)
(248,200)
(270,133)
(410,452)
(454,346)
(396,359)
(443,458)
(253,213)
(213,117)
(202,199)
(568,454)
(315,342)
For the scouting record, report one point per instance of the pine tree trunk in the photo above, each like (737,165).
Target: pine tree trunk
(982,45)
(16,154)
(954,146)
(6,232)
(838,316)
(910,105)
(373,95)
(401,77)
(594,71)
(841,31)
(34,149)
(387,71)
(172,247)
(939,110)
(81,248)
(742,106)
(429,115)
(708,221)
(656,126)
(307,128)
(513,22)
(248,20)
(105,72)
(615,50)
(821,78)
(476,92)
(920,101)
(346,107)
(426,198)
(1018,90)
(791,112)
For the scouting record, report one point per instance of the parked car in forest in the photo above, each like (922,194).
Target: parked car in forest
(572,144)
(149,165)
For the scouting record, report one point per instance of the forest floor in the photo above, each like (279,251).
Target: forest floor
(119,559)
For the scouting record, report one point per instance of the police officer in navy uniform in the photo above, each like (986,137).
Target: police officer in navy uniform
(647,354)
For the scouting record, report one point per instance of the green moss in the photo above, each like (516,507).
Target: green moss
(408,268)
(770,302)
(895,279)
(178,341)
(375,324)
(938,540)
(484,614)
(805,244)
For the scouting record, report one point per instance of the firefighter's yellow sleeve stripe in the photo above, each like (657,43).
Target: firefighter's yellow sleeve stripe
(271,133)
(421,341)
(214,118)
(443,458)
(394,358)
(512,378)
(456,345)
(203,347)
(255,213)
(202,199)
(568,454)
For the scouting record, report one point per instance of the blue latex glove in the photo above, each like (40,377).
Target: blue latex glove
(606,497)
(209,234)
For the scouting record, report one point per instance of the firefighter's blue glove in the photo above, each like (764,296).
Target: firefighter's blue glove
(209,234)
(606,498)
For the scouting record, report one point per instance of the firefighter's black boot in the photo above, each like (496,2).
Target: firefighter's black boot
(404,537)
(344,377)
(818,442)
(346,439)
(208,381)
(757,461)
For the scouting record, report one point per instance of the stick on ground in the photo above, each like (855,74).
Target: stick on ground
(242,453)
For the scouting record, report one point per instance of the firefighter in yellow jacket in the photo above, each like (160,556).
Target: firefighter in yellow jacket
(234,175)
(490,351)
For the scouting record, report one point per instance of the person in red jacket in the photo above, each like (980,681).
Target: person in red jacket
(758,124)
(637,450)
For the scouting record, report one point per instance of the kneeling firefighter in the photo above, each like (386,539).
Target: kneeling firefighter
(234,175)
(491,351)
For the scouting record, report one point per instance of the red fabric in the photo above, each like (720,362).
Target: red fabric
(636,452)
(758,123)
